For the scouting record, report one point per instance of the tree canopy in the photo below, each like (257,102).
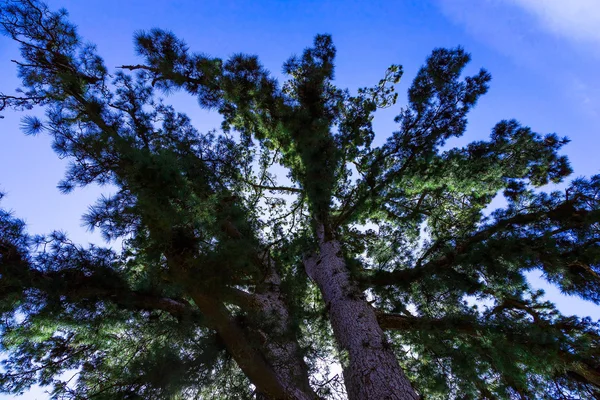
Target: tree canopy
(233,284)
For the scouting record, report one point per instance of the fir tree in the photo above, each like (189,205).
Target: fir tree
(233,285)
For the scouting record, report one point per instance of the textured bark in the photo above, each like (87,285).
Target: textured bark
(278,340)
(248,358)
(371,370)
(281,349)
(271,328)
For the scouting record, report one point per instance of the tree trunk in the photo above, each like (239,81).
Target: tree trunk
(278,341)
(371,370)
(266,350)
(248,358)
(275,367)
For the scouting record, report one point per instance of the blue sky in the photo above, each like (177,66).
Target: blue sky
(542,54)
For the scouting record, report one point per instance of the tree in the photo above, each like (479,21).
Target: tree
(232,284)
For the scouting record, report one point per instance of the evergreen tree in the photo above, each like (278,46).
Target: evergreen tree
(232,285)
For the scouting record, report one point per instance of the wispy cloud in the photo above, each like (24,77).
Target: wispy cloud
(558,39)
(501,24)
(574,19)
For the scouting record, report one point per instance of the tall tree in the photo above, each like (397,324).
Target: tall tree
(231,284)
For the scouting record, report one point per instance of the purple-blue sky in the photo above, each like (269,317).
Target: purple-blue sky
(542,54)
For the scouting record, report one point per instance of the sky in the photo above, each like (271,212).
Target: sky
(542,54)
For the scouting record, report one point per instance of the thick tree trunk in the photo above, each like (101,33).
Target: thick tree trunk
(283,352)
(371,370)
(275,366)
(264,348)
(249,358)
(278,341)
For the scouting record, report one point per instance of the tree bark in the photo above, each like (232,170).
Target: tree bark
(271,330)
(371,369)
(281,348)
(278,341)
(248,358)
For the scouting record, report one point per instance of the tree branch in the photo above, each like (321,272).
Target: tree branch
(474,328)
(276,188)
(386,278)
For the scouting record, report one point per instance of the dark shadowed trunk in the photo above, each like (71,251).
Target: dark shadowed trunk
(277,338)
(270,335)
(266,350)
(275,367)
(371,370)
(249,359)
(281,348)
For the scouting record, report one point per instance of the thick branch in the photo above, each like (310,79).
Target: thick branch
(276,188)
(384,278)
(474,328)
(399,322)
(248,358)
(75,286)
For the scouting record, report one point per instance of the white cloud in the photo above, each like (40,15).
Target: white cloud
(502,25)
(574,19)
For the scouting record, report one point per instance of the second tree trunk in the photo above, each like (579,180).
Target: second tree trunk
(371,369)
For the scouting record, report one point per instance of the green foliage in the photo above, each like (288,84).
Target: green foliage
(204,221)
